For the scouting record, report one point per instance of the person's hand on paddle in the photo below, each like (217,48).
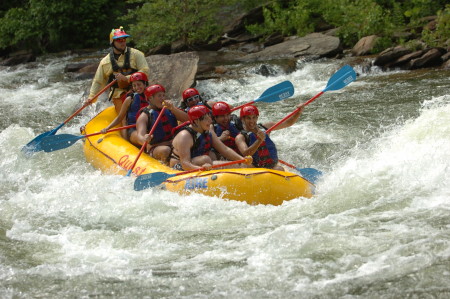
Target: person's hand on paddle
(148,138)
(207,166)
(103,131)
(122,80)
(248,160)
(87,102)
(301,107)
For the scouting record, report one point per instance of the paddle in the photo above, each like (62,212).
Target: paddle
(56,142)
(340,79)
(309,174)
(146,142)
(153,179)
(35,146)
(275,93)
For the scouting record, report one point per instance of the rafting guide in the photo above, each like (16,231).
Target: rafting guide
(118,64)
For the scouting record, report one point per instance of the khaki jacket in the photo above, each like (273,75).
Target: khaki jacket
(104,70)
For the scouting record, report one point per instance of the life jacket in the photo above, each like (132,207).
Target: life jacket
(235,127)
(266,156)
(125,69)
(138,103)
(202,142)
(163,131)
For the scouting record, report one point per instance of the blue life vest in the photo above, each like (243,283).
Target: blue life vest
(266,156)
(138,103)
(163,131)
(235,127)
(202,142)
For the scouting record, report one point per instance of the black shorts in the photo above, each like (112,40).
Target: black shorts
(129,132)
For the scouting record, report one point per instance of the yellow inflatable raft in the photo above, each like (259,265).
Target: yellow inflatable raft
(114,155)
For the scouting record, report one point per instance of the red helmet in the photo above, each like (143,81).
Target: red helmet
(152,89)
(221,108)
(190,92)
(197,112)
(249,110)
(139,76)
(116,34)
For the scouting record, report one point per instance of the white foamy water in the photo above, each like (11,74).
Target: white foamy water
(377,227)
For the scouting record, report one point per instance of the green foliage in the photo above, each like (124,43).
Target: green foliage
(47,25)
(381,44)
(415,9)
(354,18)
(295,20)
(159,22)
(357,19)
(441,35)
(414,45)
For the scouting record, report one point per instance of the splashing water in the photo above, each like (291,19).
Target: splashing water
(377,227)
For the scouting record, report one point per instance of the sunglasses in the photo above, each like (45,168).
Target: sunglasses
(121,40)
(193,98)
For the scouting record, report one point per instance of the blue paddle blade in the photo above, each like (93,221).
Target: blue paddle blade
(35,144)
(151,180)
(310,174)
(341,78)
(57,142)
(277,92)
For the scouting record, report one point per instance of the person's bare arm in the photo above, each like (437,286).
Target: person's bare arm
(223,149)
(141,128)
(249,150)
(179,114)
(182,145)
(289,122)
(122,113)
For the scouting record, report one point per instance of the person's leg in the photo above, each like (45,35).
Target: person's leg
(117,104)
(240,165)
(161,153)
(132,136)
(200,160)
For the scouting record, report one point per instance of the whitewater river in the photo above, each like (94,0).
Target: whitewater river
(378,226)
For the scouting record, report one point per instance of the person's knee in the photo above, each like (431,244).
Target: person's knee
(200,160)
(161,152)
(134,138)
(117,104)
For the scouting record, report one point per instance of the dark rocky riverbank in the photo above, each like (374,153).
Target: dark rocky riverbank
(178,65)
